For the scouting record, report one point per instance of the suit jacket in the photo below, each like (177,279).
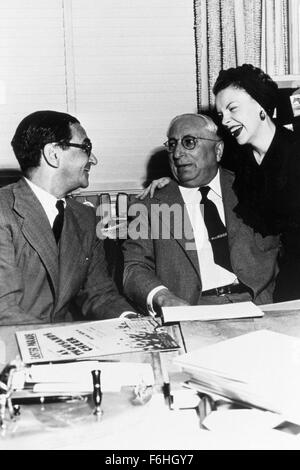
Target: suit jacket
(41,282)
(155,259)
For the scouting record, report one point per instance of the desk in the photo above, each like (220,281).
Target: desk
(123,425)
(152,426)
(199,334)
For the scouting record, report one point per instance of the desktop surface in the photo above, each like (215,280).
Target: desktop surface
(149,426)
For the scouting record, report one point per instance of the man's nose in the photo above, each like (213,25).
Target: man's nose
(92,159)
(179,150)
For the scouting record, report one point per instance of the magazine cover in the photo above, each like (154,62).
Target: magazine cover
(93,339)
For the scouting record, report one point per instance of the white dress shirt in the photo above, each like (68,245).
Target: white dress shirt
(212,275)
(47,200)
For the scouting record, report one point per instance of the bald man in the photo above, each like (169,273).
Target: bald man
(198,252)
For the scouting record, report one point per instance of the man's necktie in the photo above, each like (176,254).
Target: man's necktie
(59,220)
(217,232)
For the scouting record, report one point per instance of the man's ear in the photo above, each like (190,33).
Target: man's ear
(219,150)
(51,156)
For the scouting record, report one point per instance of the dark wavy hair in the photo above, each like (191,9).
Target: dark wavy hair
(254,81)
(35,131)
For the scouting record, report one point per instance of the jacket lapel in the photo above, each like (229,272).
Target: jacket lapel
(172,197)
(36,229)
(229,202)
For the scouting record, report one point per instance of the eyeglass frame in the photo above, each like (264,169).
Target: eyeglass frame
(181,141)
(86,146)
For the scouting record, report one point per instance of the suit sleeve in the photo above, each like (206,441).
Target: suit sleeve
(99,298)
(139,256)
(11,282)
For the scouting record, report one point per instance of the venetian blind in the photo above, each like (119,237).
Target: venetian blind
(32,64)
(134,68)
(125,68)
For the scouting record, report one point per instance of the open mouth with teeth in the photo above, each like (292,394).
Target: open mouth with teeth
(235,131)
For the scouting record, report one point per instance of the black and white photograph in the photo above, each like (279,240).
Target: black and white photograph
(149,227)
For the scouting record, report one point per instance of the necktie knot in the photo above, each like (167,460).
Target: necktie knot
(60,205)
(204,190)
(59,219)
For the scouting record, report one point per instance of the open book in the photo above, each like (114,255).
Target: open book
(211,312)
(259,368)
(78,341)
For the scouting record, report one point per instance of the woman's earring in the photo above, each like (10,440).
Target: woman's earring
(262,115)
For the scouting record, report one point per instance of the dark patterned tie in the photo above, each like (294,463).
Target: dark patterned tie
(59,220)
(217,232)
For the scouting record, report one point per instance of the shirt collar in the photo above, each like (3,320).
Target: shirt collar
(215,186)
(45,198)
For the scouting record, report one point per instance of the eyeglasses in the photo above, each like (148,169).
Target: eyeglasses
(86,147)
(188,142)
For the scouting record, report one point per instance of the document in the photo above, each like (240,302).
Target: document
(259,368)
(79,341)
(211,312)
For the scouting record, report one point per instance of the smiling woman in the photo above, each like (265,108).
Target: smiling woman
(267,166)
(245,101)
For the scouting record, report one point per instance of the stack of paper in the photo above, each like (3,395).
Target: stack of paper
(261,369)
(76,377)
(211,312)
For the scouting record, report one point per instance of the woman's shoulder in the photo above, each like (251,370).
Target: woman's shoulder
(287,135)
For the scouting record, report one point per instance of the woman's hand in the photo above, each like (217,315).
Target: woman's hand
(156,184)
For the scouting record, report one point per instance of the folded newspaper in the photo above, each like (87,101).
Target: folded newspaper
(78,341)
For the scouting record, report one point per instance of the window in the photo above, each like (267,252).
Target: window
(32,64)
(124,68)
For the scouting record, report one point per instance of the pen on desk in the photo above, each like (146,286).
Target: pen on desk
(97,392)
(166,382)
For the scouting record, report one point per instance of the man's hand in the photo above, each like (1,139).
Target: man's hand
(156,184)
(165,298)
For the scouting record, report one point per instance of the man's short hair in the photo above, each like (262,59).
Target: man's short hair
(35,131)
(209,124)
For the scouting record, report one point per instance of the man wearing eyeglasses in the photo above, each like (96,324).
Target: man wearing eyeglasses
(52,265)
(209,255)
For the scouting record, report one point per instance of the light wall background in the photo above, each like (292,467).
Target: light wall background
(125,68)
